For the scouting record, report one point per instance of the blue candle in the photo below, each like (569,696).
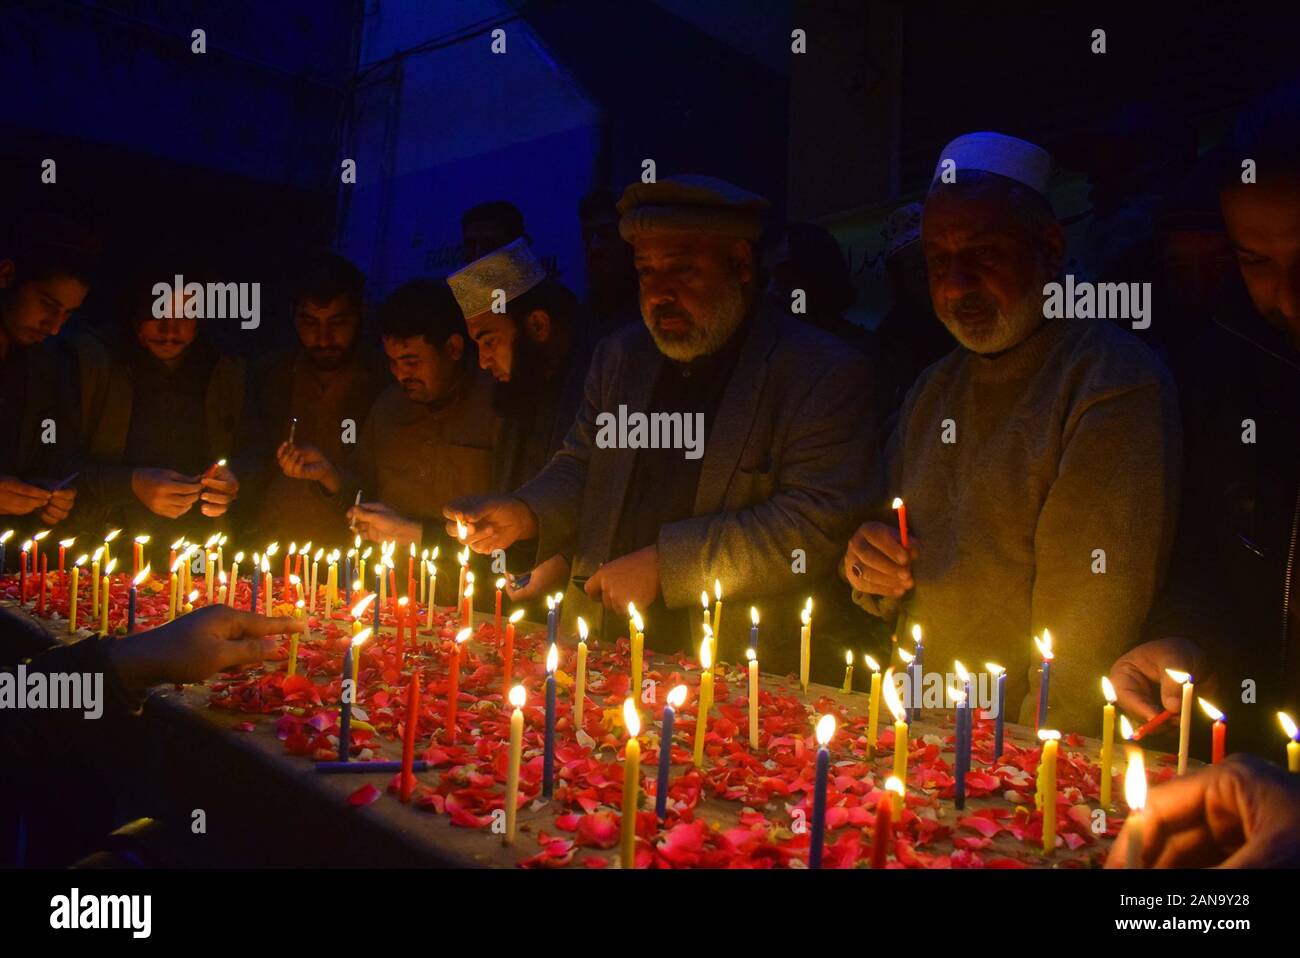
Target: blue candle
(345,706)
(961,755)
(2,550)
(1045,676)
(130,610)
(920,664)
(347,579)
(548,759)
(675,698)
(825,729)
(753,629)
(252,588)
(1002,702)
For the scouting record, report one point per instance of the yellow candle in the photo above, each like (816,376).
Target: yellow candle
(706,698)
(717,609)
(189,603)
(805,644)
(433,590)
(631,781)
(753,697)
(1185,718)
(1135,794)
(637,637)
(1293,746)
(848,671)
(107,548)
(94,582)
(463,556)
(357,641)
(580,683)
(108,577)
(873,708)
(234,579)
(72,595)
(266,584)
(1107,740)
(209,576)
(517,699)
(293,642)
(221,589)
(900,726)
(1047,779)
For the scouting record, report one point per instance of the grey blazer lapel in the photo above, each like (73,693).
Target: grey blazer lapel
(631,385)
(728,435)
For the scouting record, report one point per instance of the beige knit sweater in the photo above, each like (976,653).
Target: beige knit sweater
(1067,444)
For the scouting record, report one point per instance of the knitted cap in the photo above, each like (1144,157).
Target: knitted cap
(513,269)
(1007,156)
(691,203)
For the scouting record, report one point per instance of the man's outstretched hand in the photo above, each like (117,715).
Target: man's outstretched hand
(492,522)
(1143,687)
(1242,813)
(199,645)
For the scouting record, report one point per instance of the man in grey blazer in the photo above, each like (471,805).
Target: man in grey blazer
(766,435)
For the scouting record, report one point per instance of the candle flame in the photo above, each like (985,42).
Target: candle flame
(463,635)
(461,530)
(6,535)
(27,546)
(1182,678)
(892,701)
(871,663)
(706,651)
(359,609)
(1045,646)
(81,560)
(516,615)
(751,655)
(717,589)
(180,561)
(961,671)
(825,729)
(704,600)
(194,593)
(892,784)
(404,601)
(67,543)
(1210,710)
(501,584)
(306,547)
(631,720)
(300,604)
(957,695)
(41,535)
(366,554)
(916,632)
(361,637)
(112,535)
(518,696)
(319,552)
(805,617)
(907,657)
(266,565)
(559,597)
(753,615)
(239,557)
(1125,728)
(112,564)
(550,604)
(94,556)
(294,580)
(221,577)
(897,503)
(631,609)
(434,553)
(1135,781)
(848,657)
(638,622)
(552,659)
(1288,726)
(463,556)
(808,605)
(272,549)
(1108,689)
(141,576)
(677,696)
(582,629)
(1048,735)
(412,550)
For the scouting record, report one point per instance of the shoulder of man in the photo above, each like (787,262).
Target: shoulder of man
(1099,352)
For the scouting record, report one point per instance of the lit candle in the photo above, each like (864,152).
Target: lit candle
(315,572)
(293,641)
(410,568)
(753,628)
(1219,731)
(959,747)
(266,582)
(848,671)
(548,756)
(580,682)
(517,698)
(1001,675)
(1107,741)
(717,609)
(631,782)
(1045,675)
(901,509)
(1047,777)
(209,574)
(4,537)
(138,553)
(348,691)
(234,579)
(883,831)
(637,640)
(753,697)
(910,685)
(64,546)
(453,683)
(919,669)
(676,696)
(221,554)
(108,577)
(708,619)
(805,644)
(288,571)
(508,653)
(359,610)
(468,617)
(463,557)
(550,620)
(222,590)
(189,601)
(130,600)
(1185,717)
(1135,793)
(36,549)
(825,730)
(108,539)
(424,577)
(379,591)
(363,635)
(171,553)
(706,698)
(895,706)
(873,707)
(22,569)
(72,594)
(1293,744)
(408,737)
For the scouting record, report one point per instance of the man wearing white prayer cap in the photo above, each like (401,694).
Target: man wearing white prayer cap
(1038,461)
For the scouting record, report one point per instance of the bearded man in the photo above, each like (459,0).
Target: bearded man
(759,505)
(1039,461)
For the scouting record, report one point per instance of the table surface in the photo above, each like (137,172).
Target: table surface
(197,728)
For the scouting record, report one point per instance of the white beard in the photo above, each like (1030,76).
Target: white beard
(707,334)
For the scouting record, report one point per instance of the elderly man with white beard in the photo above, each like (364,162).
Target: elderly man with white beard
(1038,462)
(778,488)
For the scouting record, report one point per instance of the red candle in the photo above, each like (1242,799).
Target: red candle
(508,654)
(1220,741)
(399,621)
(408,740)
(392,592)
(62,550)
(40,606)
(287,598)
(902,521)
(453,685)
(883,831)
(22,577)
(497,620)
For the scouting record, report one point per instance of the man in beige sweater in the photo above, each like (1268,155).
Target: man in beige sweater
(1038,462)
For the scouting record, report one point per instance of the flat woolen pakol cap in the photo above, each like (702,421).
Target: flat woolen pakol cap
(691,203)
(513,269)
